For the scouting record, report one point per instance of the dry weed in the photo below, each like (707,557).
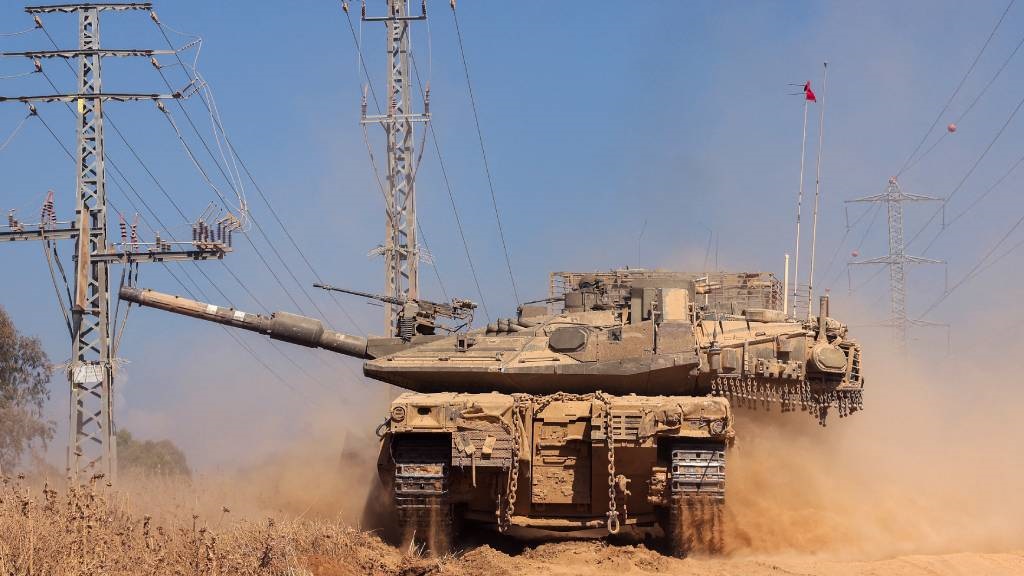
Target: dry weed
(90,529)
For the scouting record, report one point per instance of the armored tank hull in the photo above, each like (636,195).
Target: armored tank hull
(558,462)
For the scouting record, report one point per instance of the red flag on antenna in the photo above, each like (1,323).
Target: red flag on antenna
(808,93)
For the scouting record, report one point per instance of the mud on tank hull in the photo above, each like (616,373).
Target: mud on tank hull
(549,462)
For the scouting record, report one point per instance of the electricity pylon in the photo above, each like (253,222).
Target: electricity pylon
(400,249)
(91,444)
(897,259)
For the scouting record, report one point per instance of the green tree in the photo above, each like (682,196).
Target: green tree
(24,374)
(160,457)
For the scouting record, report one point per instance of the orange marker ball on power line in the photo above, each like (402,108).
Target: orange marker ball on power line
(951,128)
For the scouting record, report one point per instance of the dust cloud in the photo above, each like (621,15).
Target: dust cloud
(932,465)
(325,475)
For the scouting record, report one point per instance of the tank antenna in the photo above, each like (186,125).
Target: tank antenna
(817,186)
(785,289)
(808,98)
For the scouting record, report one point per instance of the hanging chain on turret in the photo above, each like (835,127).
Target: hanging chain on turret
(754,392)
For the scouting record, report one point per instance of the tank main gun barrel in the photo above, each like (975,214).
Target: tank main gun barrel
(282,326)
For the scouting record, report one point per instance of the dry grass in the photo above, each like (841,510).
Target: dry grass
(91,529)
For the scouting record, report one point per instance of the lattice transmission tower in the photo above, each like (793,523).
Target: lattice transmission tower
(400,248)
(91,443)
(897,259)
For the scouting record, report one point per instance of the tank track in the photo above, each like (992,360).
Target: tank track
(697,505)
(420,487)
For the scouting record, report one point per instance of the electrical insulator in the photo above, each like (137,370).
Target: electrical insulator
(135,230)
(49,215)
(124,229)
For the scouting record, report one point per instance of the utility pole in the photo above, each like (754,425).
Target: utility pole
(897,259)
(91,444)
(400,248)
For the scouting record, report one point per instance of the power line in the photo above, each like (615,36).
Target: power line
(956,91)
(959,119)
(210,106)
(960,185)
(977,200)
(978,267)
(171,237)
(118,172)
(483,153)
(243,344)
(970,171)
(458,221)
(14,133)
(840,245)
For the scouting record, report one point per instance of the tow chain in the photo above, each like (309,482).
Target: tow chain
(505,515)
(512,486)
(613,514)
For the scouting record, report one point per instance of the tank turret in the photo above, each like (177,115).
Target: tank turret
(638,332)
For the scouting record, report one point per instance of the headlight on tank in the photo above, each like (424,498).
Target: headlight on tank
(398,413)
(717,426)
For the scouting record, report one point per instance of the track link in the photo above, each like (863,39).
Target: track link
(421,480)
(697,504)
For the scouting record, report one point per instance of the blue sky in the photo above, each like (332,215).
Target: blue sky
(597,117)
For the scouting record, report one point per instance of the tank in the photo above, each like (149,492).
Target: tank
(608,405)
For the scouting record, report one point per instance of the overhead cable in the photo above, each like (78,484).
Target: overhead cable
(215,119)
(483,153)
(959,86)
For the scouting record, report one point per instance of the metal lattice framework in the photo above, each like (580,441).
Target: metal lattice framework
(91,369)
(91,444)
(400,249)
(897,259)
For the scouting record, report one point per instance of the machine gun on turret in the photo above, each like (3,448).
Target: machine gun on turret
(418,317)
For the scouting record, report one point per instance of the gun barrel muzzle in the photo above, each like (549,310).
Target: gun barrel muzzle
(282,326)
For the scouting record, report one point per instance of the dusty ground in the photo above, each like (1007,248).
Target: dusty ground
(591,558)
